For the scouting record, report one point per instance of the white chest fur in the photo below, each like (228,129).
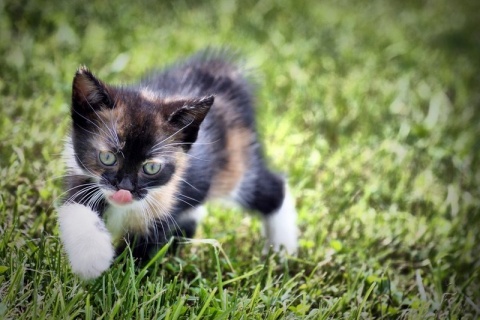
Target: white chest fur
(121,220)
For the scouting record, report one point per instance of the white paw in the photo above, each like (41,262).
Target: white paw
(86,240)
(280,227)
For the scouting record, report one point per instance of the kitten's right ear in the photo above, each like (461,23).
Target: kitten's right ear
(88,93)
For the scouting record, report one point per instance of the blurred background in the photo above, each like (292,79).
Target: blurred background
(372,108)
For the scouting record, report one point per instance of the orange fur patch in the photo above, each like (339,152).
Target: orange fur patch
(149,95)
(238,142)
(161,206)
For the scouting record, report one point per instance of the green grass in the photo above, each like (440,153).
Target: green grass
(373,109)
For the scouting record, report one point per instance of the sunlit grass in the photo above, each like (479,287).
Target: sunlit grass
(371,108)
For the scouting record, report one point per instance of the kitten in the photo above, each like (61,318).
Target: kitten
(143,159)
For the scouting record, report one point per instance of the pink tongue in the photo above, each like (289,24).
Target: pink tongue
(122,196)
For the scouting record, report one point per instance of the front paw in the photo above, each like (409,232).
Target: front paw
(87,242)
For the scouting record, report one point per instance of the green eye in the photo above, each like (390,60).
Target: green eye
(107,158)
(152,168)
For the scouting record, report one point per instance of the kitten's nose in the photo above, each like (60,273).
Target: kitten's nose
(126,184)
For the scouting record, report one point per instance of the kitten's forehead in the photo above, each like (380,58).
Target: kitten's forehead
(113,125)
(136,122)
(132,129)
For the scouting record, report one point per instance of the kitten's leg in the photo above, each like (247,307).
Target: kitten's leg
(183,224)
(280,226)
(268,193)
(86,240)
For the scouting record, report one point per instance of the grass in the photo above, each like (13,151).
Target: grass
(372,108)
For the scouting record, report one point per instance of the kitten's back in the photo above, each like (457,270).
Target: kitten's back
(210,72)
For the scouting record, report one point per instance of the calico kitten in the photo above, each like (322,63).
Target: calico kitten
(143,159)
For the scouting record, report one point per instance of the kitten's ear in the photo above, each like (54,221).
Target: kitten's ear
(189,115)
(191,111)
(88,93)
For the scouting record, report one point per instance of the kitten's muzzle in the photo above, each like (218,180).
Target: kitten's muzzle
(123,195)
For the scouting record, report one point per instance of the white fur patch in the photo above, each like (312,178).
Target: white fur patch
(115,221)
(69,157)
(87,242)
(120,220)
(195,214)
(281,228)
(149,95)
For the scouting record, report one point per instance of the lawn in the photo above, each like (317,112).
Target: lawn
(372,108)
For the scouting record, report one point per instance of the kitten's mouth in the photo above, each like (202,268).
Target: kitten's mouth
(121,197)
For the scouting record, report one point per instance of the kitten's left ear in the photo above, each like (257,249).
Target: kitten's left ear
(189,116)
(88,93)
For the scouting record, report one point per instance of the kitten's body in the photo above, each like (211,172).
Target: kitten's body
(194,120)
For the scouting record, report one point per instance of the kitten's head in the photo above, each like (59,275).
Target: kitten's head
(131,141)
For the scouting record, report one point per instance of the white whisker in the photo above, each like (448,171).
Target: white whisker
(92,122)
(77,186)
(148,216)
(92,175)
(152,203)
(168,153)
(90,186)
(190,198)
(84,192)
(172,135)
(185,181)
(184,201)
(157,147)
(86,130)
(166,216)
